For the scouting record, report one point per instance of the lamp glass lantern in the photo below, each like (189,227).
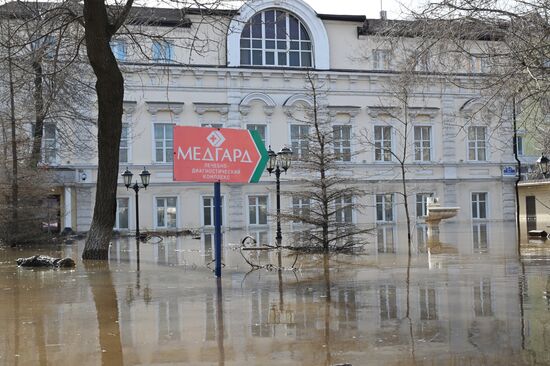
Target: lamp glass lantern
(272,162)
(285,156)
(543,162)
(127,176)
(145,177)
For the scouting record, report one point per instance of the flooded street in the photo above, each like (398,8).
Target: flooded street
(468,299)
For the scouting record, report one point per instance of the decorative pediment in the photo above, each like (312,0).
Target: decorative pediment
(352,111)
(173,107)
(202,108)
(377,111)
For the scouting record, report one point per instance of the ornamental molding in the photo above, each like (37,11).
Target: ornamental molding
(173,107)
(129,106)
(352,111)
(202,108)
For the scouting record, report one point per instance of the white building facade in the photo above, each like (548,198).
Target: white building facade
(251,74)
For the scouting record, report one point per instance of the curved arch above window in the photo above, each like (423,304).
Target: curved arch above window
(272,33)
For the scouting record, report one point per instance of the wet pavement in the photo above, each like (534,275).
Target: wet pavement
(467,299)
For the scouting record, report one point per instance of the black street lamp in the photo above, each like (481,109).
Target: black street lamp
(543,162)
(145,177)
(278,161)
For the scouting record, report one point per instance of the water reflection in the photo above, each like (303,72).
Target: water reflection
(387,309)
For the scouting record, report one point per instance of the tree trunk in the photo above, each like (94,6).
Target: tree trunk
(14,156)
(110,95)
(39,115)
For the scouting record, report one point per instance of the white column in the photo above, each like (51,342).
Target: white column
(68,208)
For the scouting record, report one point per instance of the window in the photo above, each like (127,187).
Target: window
(275,38)
(382,143)
(257,210)
(342,142)
(479,205)
(422,204)
(519,145)
(422,143)
(422,61)
(388,302)
(208,211)
(381,59)
(428,304)
(344,209)
(385,239)
(164,142)
(166,212)
(118,47)
(262,130)
(162,51)
(477,136)
(122,214)
(123,155)
(479,233)
(483,304)
(384,207)
(300,208)
(46,46)
(299,135)
(50,143)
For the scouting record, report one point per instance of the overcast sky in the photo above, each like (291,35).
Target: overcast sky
(370,8)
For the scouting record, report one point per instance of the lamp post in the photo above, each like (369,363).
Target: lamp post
(145,177)
(543,162)
(278,161)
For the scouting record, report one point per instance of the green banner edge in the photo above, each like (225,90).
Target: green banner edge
(260,145)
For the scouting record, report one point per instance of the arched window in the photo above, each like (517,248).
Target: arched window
(276,38)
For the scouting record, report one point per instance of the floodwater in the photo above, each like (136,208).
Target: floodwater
(469,299)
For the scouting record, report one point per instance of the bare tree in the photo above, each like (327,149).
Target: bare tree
(327,199)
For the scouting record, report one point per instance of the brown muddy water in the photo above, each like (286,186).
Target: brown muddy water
(468,300)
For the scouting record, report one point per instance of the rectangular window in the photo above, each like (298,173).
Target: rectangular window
(299,139)
(385,239)
(164,142)
(257,210)
(479,205)
(483,304)
(344,209)
(342,142)
(384,207)
(422,204)
(208,211)
(382,143)
(388,302)
(422,143)
(428,304)
(519,145)
(49,140)
(381,59)
(166,212)
(262,130)
(300,208)
(477,143)
(162,51)
(122,213)
(479,236)
(123,155)
(118,47)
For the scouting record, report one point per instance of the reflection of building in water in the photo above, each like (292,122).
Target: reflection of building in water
(385,238)
(480,238)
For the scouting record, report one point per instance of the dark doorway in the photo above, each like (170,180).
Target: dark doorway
(531,210)
(52,219)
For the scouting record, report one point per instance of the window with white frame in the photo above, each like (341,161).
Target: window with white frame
(382,143)
(341,136)
(208,210)
(422,204)
(519,145)
(257,210)
(164,142)
(262,130)
(46,46)
(166,215)
(428,303)
(479,237)
(118,47)
(122,206)
(479,205)
(299,139)
(388,302)
(49,141)
(384,207)
(343,207)
(422,143)
(385,239)
(124,152)
(381,59)
(162,51)
(300,208)
(275,38)
(483,302)
(477,143)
